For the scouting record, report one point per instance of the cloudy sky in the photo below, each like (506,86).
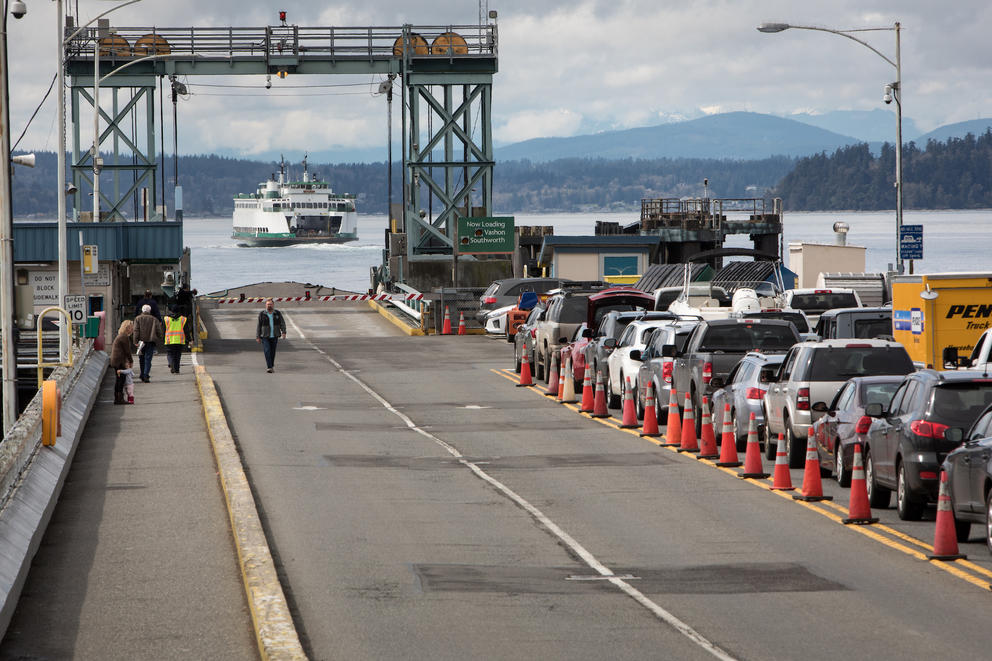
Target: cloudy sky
(566,68)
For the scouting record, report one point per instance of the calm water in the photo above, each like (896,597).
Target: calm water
(952,241)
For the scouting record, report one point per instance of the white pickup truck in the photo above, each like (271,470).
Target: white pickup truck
(980,358)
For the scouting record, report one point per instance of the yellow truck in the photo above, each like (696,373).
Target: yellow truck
(941,316)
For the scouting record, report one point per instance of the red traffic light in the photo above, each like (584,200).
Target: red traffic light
(282,16)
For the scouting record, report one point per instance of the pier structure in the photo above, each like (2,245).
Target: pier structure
(445,74)
(686,227)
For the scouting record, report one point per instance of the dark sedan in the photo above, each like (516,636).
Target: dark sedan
(838,427)
(969,475)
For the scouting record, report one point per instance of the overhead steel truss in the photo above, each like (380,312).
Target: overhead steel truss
(445,71)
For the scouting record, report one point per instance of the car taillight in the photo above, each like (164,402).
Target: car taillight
(928,475)
(707,372)
(533,332)
(927,429)
(857,346)
(802,399)
(489,300)
(864,424)
(823,291)
(666,371)
(754,393)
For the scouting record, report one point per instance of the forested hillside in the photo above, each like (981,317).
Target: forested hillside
(956,174)
(209,182)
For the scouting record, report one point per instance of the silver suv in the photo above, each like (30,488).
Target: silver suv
(814,372)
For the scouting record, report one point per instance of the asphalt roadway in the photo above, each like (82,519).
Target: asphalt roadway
(419,506)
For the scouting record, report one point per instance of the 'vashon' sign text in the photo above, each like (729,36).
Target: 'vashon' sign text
(477,236)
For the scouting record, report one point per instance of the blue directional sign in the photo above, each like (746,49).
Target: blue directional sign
(911,242)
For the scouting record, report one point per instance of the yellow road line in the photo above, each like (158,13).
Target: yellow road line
(874,531)
(274,630)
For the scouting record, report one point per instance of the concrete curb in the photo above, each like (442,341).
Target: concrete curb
(274,630)
(400,323)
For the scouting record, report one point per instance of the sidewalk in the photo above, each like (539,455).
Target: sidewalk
(138,561)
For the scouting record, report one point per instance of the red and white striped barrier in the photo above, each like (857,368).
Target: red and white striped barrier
(324,299)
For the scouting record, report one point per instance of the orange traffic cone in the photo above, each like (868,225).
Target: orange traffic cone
(812,485)
(689,442)
(859,511)
(673,428)
(945,541)
(629,413)
(650,427)
(446,326)
(707,438)
(599,408)
(588,396)
(525,376)
(553,385)
(461,323)
(567,386)
(782,479)
(753,468)
(728,442)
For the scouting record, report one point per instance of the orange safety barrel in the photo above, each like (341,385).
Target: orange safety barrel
(51,407)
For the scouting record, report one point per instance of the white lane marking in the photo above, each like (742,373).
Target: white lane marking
(587,557)
(475,406)
(309,408)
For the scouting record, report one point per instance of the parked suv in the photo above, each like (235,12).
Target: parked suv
(502,293)
(657,369)
(814,372)
(905,445)
(611,326)
(815,302)
(569,308)
(744,390)
(855,322)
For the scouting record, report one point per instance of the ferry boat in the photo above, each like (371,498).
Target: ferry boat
(283,213)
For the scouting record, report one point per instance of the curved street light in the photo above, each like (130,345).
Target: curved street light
(892,91)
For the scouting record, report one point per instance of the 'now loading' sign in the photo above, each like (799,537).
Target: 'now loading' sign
(485,235)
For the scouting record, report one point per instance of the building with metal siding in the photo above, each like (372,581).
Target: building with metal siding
(122,242)
(132,257)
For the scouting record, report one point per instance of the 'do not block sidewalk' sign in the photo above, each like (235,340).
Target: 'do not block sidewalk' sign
(487,234)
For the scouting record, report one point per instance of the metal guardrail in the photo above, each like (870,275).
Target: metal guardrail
(230,43)
(415,309)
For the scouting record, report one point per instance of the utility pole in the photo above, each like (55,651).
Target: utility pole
(6,247)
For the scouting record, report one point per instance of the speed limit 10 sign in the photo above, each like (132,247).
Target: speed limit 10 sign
(75,305)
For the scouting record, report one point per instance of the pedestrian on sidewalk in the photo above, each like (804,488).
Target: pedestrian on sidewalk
(267,332)
(128,375)
(175,338)
(147,330)
(120,358)
(149,301)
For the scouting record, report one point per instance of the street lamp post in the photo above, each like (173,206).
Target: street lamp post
(892,91)
(62,230)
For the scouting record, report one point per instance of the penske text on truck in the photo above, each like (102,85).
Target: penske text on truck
(931,312)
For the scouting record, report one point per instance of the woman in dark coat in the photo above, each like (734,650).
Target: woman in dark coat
(120,358)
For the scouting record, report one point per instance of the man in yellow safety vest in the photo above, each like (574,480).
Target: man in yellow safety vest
(175,339)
